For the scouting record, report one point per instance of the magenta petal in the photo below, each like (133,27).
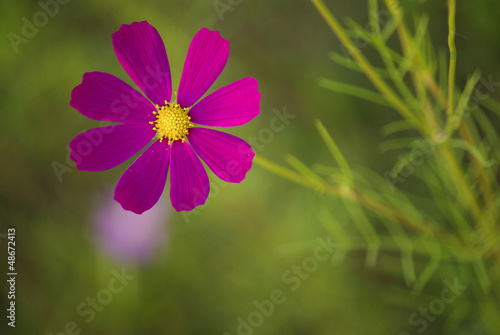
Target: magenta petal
(142,54)
(228,156)
(189,185)
(101,96)
(106,147)
(142,184)
(205,60)
(232,105)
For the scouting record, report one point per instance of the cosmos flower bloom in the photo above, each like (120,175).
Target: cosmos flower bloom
(179,144)
(126,236)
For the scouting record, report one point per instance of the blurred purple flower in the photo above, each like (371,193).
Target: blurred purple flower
(126,236)
(102,96)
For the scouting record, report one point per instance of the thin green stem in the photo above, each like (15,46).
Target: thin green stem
(286,173)
(463,187)
(452,7)
(334,150)
(456,172)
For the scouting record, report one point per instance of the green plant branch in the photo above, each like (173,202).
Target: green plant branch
(367,68)
(404,37)
(419,71)
(422,76)
(457,174)
(428,228)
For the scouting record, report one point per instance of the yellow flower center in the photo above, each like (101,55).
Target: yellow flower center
(172,122)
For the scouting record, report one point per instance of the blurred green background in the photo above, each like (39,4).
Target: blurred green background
(216,261)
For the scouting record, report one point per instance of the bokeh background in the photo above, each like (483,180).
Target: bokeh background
(200,272)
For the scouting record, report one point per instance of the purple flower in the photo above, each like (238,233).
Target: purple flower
(126,236)
(179,144)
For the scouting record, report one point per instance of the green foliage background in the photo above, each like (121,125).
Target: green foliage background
(236,249)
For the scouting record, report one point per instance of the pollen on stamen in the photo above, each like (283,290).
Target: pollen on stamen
(172,122)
